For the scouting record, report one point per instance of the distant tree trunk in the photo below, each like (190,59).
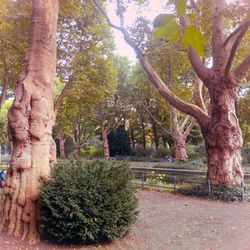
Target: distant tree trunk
(143,134)
(164,141)
(78,139)
(31,118)
(105,142)
(223,139)
(156,138)
(132,138)
(62,145)
(178,137)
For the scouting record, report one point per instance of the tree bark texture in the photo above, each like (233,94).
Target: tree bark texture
(178,138)
(105,142)
(223,138)
(31,118)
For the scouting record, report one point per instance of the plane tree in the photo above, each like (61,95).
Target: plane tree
(220,127)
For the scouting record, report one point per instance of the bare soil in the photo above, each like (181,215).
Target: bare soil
(173,222)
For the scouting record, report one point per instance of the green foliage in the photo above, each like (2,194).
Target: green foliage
(195,151)
(171,31)
(246,156)
(92,152)
(162,19)
(162,152)
(181,6)
(193,37)
(87,202)
(141,152)
(119,143)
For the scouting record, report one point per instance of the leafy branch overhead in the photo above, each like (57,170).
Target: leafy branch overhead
(168,27)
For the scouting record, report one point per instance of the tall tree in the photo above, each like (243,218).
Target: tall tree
(31,118)
(220,129)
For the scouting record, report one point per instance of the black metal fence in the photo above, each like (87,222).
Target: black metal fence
(183,181)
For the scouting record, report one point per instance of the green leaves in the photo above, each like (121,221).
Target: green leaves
(193,37)
(162,19)
(167,27)
(170,30)
(181,6)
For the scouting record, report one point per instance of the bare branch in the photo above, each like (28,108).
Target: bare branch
(218,50)
(60,98)
(189,129)
(156,121)
(197,95)
(241,71)
(234,34)
(235,46)
(184,123)
(187,108)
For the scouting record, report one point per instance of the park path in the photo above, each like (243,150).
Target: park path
(174,222)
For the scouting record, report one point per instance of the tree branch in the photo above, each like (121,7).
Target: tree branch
(190,109)
(197,64)
(241,71)
(189,129)
(60,98)
(156,121)
(236,31)
(235,46)
(197,95)
(184,123)
(218,50)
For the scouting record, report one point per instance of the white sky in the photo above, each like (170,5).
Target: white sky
(149,10)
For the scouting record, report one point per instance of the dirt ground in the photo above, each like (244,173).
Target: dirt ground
(174,222)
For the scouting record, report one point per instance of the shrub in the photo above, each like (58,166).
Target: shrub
(87,202)
(141,152)
(161,153)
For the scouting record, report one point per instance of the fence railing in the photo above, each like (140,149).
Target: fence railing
(176,179)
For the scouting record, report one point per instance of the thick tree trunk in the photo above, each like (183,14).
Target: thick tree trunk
(105,142)
(31,118)
(179,139)
(223,139)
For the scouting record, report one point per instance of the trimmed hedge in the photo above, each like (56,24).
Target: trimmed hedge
(88,202)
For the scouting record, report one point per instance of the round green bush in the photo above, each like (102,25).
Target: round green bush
(87,202)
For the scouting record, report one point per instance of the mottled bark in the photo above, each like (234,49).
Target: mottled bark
(179,140)
(223,138)
(31,118)
(105,142)
(144,141)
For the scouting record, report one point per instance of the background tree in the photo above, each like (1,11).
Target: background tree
(221,129)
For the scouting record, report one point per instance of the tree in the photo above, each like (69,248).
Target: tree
(220,129)
(31,118)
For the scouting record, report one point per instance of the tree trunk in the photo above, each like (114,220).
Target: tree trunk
(143,134)
(105,142)
(132,138)
(78,140)
(62,145)
(156,138)
(31,118)
(223,139)
(179,140)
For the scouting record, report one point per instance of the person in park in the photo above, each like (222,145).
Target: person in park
(3,177)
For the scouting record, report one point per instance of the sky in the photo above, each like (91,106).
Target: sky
(149,10)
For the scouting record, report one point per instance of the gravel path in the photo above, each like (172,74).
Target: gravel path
(174,222)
